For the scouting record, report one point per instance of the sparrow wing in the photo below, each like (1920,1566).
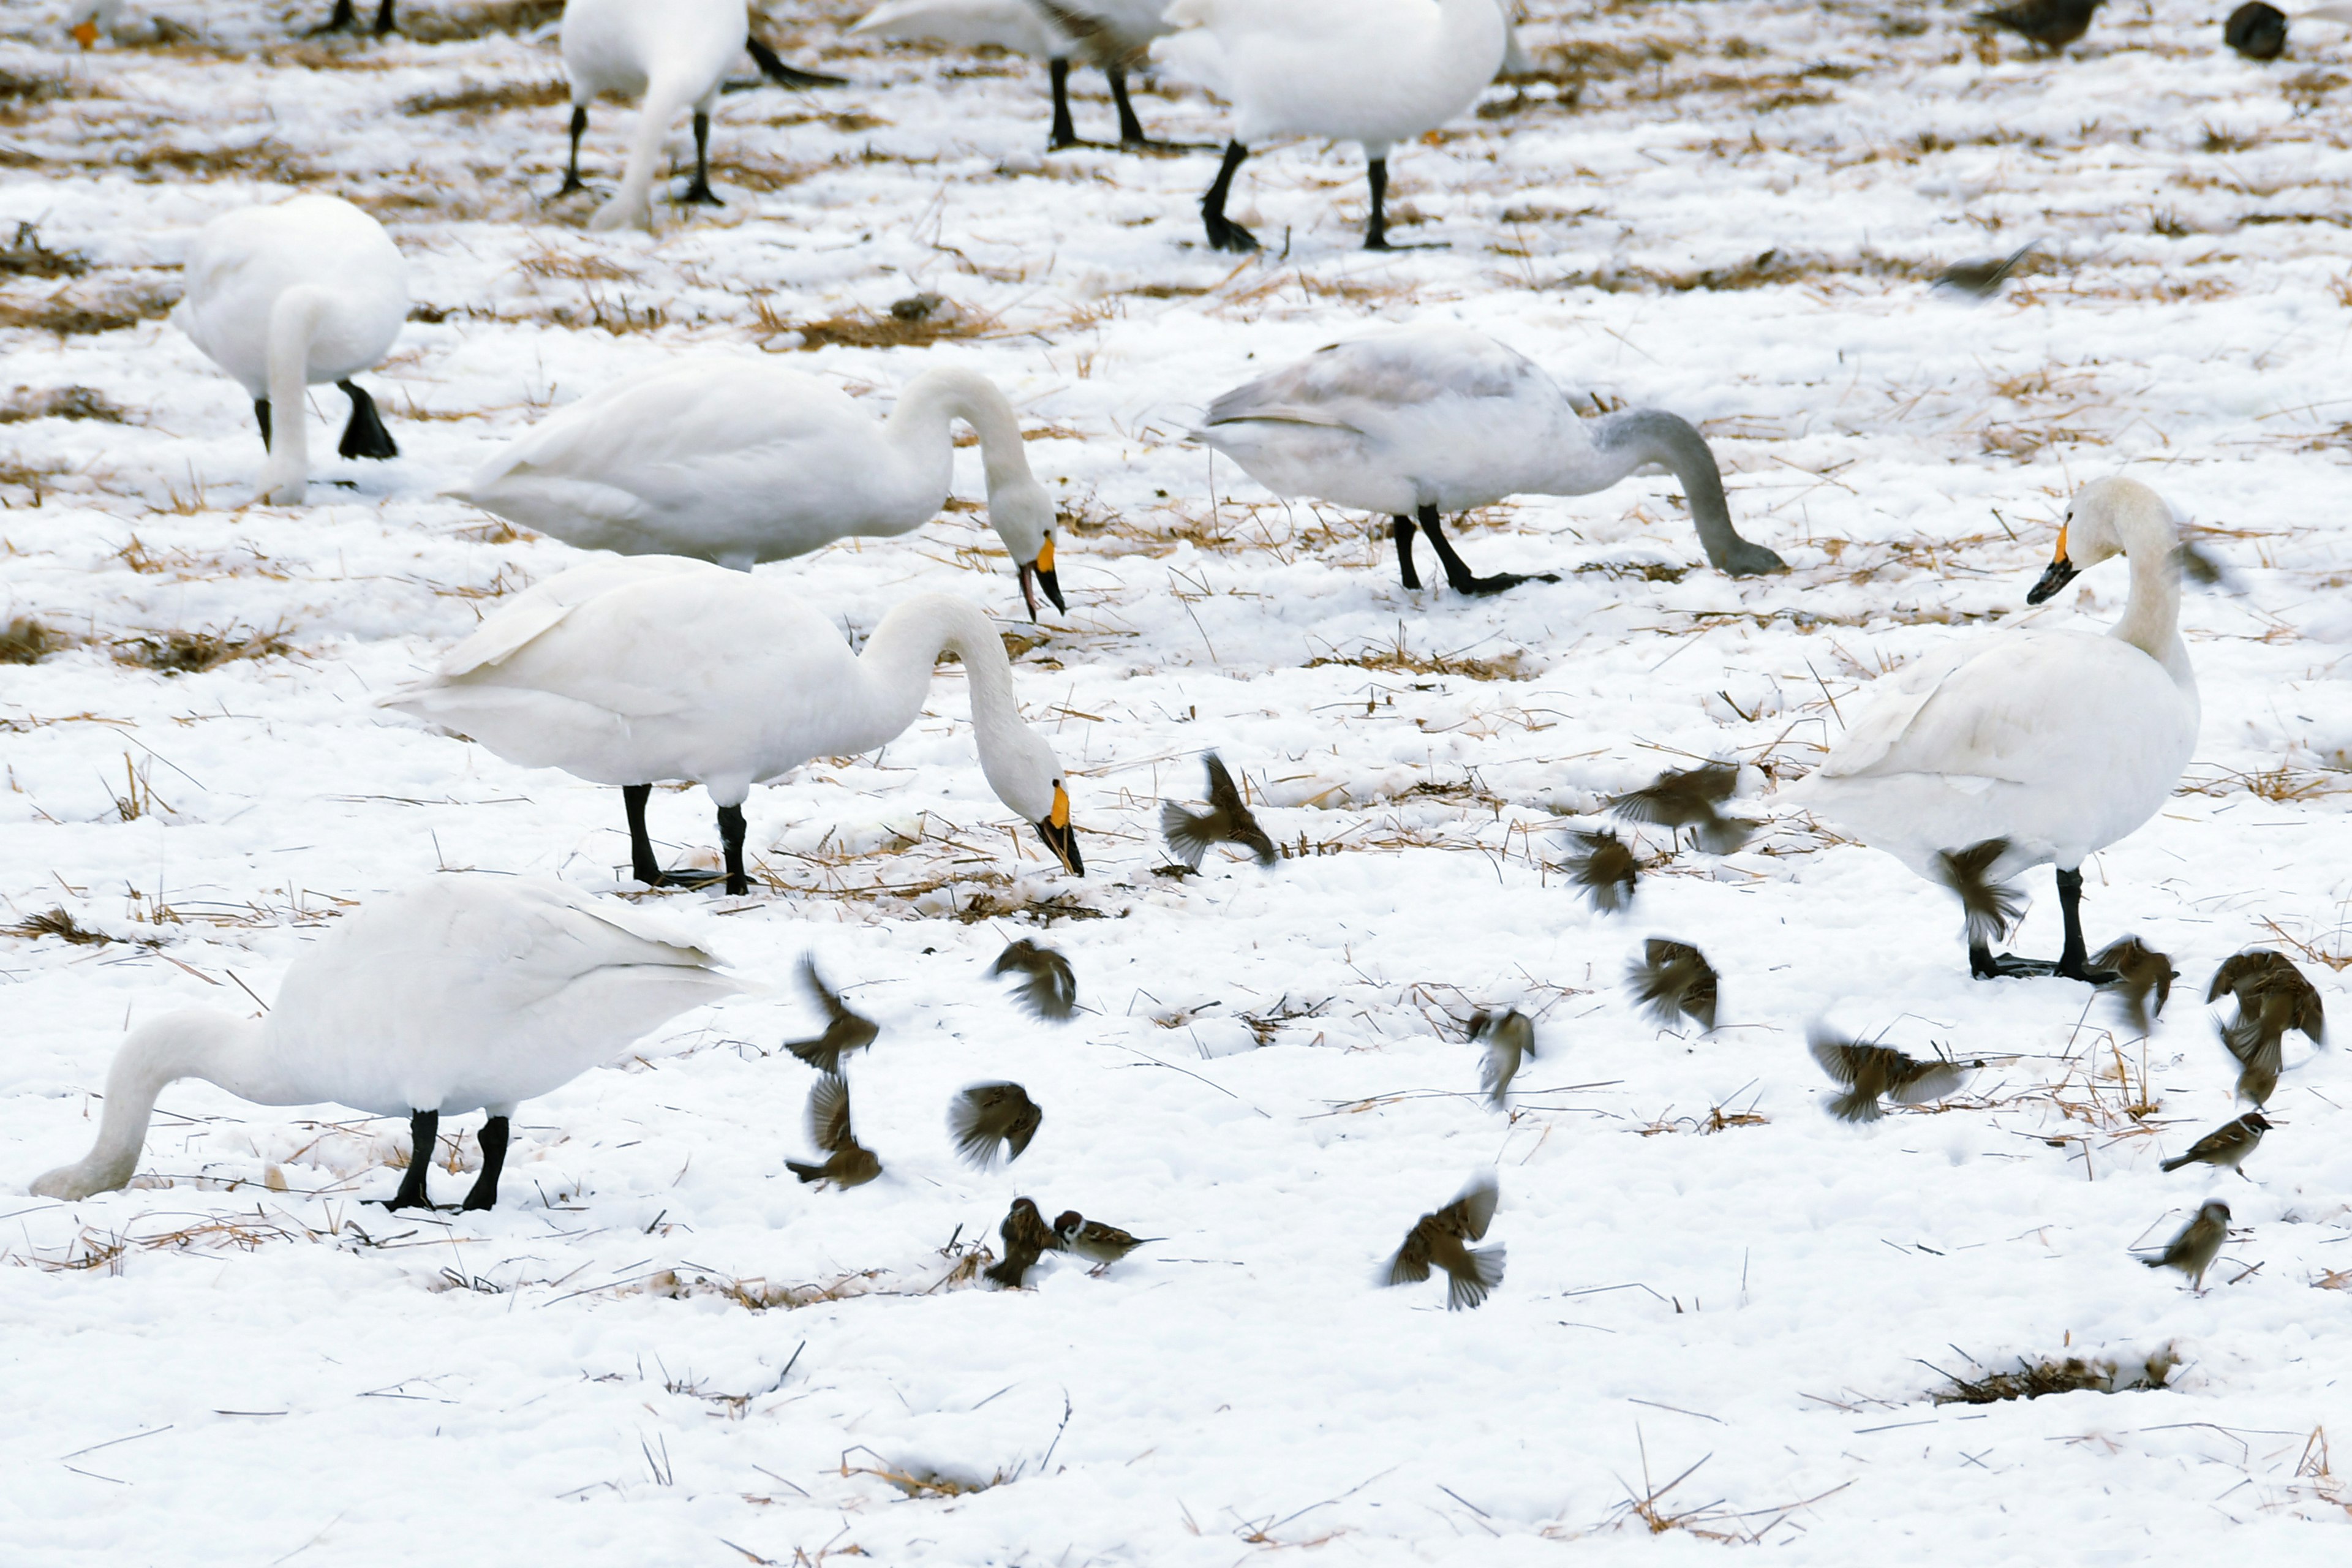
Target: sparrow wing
(1500,1064)
(1470,1214)
(1224,798)
(1189,837)
(1605,867)
(1017,958)
(1472,1278)
(1051,989)
(1990,908)
(828,1114)
(1839,1058)
(1918,1082)
(1236,821)
(1410,1264)
(1027,1117)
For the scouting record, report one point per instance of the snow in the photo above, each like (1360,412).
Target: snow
(661,1348)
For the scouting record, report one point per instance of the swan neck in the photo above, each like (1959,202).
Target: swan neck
(294,320)
(1624,442)
(900,657)
(2151,618)
(209,1045)
(937,398)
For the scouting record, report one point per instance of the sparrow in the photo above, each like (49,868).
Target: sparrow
(1440,1238)
(1990,908)
(1605,867)
(848,1163)
(1673,979)
(1689,799)
(1873,1072)
(1103,1245)
(1983,278)
(2273,997)
(1026,1238)
(2052,24)
(1050,990)
(2138,970)
(2199,1241)
(2256,31)
(1510,1037)
(844,1031)
(992,1121)
(2227,1147)
(1227,821)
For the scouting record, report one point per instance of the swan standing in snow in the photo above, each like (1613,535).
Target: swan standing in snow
(739,460)
(307,290)
(455,995)
(636,671)
(1428,420)
(1113,35)
(1374,72)
(2058,742)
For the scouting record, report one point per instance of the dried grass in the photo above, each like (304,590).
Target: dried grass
(61,403)
(446,24)
(2040,1376)
(27,641)
(26,256)
(183,652)
(1396,657)
(478,99)
(59,924)
(70,314)
(917,322)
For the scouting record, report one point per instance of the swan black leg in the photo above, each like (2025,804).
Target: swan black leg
(1066,130)
(732,829)
(572,170)
(1131,129)
(261,417)
(341,18)
(698,193)
(777,71)
(384,19)
(1376,233)
(2073,957)
(1458,575)
(365,435)
(494,1160)
(1406,568)
(424,1136)
(641,847)
(1223,233)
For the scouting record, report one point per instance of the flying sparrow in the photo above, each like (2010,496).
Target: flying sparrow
(1227,821)
(1440,1238)
(1102,1244)
(2139,971)
(1990,908)
(848,1163)
(1510,1037)
(1875,1072)
(2273,997)
(2199,1241)
(844,1031)
(1673,981)
(1689,799)
(1048,988)
(2227,1146)
(1603,867)
(1026,1238)
(1983,278)
(992,1121)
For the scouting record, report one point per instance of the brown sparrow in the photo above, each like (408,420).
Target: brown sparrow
(1984,278)
(1674,981)
(992,1121)
(1510,1037)
(2199,1241)
(1440,1238)
(1603,867)
(2227,1146)
(1689,799)
(1875,1072)
(1048,989)
(844,1031)
(1026,1237)
(2139,971)
(1227,821)
(1990,908)
(1102,1244)
(2273,997)
(848,1163)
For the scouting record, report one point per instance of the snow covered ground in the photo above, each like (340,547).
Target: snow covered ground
(1721,1305)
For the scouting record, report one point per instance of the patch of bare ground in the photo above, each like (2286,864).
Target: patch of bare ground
(180,651)
(2039,1376)
(762,174)
(83,311)
(457,24)
(917,322)
(1771,268)
(26,256)
(60,402)
(1395,658)
(479,99)
(267,161)
(25,640)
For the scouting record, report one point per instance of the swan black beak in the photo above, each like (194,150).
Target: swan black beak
(1060,836)
(2061,573)
(1039,573)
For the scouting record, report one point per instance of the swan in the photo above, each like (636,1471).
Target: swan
(1373,71)
(739,460)
(307,290)
(2058,742)
(639,668)
(453,995)
(1112,35)
(1425,420)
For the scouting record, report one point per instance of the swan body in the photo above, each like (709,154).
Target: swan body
(455,995)
(668,54)
(1424,421)
(2057,742)
(638,669)
(739,460)
(1113,35)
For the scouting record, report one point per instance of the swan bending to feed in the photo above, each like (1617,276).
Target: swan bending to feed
(455,995)
(739,460)
(1377,72)
(644,669)
(281,296)
(2029,745)
(1428,420)
(1114,36)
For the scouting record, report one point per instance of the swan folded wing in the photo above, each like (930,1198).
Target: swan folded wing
(543,606)
(529,728)
(967,23)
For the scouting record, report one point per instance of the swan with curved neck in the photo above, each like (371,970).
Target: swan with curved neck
(1424,421)
(284,296)
(2050,744)
(739,460)
(644,669)
(455,995)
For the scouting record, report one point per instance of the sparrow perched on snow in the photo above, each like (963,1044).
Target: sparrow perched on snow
(1102,1244)
(1875,1072)
(1990,908)
(1227,821)
(1673,979)
(992,1121)
(2227,1146)
(1689,799)
(2199,1241)
(2273,997)
(1440,1238)
(1510,1037)
(1049,989)
(2138,971)
(2256,31)
(2052,24)
(1603,867)
(1026,1237)
(848,1163)
(1983,278)
(844,1031)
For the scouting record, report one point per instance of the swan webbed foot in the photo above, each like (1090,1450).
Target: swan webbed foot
(701,194)
(1500,582)
(364,436)
(424,1136)
(1226,235)
(1986,964)
(485,1194)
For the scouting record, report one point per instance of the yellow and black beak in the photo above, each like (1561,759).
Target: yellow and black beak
(1060,836)
(1039,573)
(2061,571)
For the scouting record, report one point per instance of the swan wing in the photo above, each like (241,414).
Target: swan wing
(969,24)
(1360,384)
(543,606)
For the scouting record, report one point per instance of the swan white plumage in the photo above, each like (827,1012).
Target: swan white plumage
(641,669)
(1377,72)
(2058,742)
(668,54)
(281,297)
(1113,35)
(1423,421)
(739,460)
(454,995)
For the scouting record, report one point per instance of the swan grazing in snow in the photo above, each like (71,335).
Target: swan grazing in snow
(2030,745)
(649,667)
(1427,420)
(1374,72)
(1113,35)
(455,995)
(310,290)
(739,460)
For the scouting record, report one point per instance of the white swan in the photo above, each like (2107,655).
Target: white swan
(739,460)
(632,670)
(666,53)
(1112,35)
(2058,742)
(1427,420)
(455,995)
(310,290)
(1374,72)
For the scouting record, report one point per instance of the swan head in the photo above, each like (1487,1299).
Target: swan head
(1028,776)
(1023,515)
(2104,519)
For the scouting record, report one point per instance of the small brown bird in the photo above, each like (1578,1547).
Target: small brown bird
(2273,997)
(2200,1242)
(2256,31)
(1102,1244)
(1510,1037)
(1049,988)
(848,1163)
(992,1121)
(2228,1146)
(1990,908)
(1605,867)
(1983,278)
(1026,1238)
(1689,799)
(1674,981)
(844,1031)
(1227,821)
(2139,971)
(2052,24)
(1439,1238)
(1873,1072)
